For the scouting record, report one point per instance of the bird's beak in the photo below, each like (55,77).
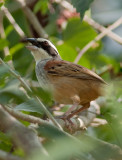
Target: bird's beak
(31,40)
(32,46)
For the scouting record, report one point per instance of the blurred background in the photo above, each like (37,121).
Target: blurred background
(87,32)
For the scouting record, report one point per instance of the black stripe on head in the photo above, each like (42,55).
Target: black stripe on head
(33,41)
(47,47)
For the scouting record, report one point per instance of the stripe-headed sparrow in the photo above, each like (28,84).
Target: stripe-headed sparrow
(69,83)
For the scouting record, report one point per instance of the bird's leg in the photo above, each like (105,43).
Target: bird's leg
(76,101)
(66,118)
(85,106)
(68,115)
(70,110)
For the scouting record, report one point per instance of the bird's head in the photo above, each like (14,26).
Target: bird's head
(42,48)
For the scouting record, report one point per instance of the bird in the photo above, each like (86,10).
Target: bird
(69,83)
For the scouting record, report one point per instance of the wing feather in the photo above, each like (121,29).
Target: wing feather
(69,69)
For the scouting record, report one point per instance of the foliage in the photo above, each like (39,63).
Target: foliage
(70,37)
(81,6)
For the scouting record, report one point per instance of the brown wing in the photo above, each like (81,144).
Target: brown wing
(64,68)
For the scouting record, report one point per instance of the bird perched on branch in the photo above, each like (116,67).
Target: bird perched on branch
(69,83)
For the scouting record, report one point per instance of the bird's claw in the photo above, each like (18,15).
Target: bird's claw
(68,123)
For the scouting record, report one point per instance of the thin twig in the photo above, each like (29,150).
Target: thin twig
(81,121)
(98,122)
(13,22)
(17,6)
(97,38)
(66,5)
(101,28)
(96,25)
(24,117)
(90,21)
(33,19)
(25,85)
(2,33)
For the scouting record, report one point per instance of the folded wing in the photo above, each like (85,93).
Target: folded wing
(64,68)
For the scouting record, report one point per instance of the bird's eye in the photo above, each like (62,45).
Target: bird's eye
(45,43)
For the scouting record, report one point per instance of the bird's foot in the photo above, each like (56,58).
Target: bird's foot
(68,123)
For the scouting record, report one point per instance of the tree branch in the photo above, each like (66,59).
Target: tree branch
(13,22)
(21,136)
(91,22)
(2,33)
(7,156)
(97,38)
(24,117)
(32,19)
(104,31)
(101,28)
(80,122)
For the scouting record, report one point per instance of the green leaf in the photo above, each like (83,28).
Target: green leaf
(81,6)
(3,43)
(78,34)
(22,61)
(8,30)
(16,48)
(41,5)
(8,58)
(11,92)
(66,48)
(30,106)
(1,4)
(68,146)
(4,137)
(75,37)
(45,96)
(3,71)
